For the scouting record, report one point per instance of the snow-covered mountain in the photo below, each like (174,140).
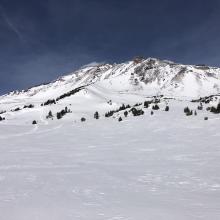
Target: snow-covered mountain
(162,165)
(92,87)
(149,77)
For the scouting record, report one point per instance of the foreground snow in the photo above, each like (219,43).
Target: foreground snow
(164,166)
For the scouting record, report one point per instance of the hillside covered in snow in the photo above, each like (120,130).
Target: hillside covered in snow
(106,87)
(131,141)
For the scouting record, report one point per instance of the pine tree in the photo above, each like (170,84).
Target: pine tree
(59,115)
(200,107)
(186,110)
(167,108)
(66,110)
(2,118)
(155,107)
(146,104)
(50,115)
(189,113)
(83,119)
(96,115)
(120,119)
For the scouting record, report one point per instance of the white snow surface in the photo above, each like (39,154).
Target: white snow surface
(126,82)
(164,166)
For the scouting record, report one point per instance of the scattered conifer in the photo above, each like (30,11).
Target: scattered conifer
(120,119)
(83,119)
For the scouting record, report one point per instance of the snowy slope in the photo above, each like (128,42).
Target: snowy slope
(150,76)
(162,165)
(122,83)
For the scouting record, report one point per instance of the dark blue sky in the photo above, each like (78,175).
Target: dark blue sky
(42,39)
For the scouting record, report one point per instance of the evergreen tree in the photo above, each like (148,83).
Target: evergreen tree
(137,112)
(200,107)
(2,118)
(66,110)
(189,113)
(96,115)
(34,122)
(50,115)
(83,119)
(215,110)
(120,119)
(155,107)
(146,104)
(167,108)
(126,113)
(59,115)
(186,110)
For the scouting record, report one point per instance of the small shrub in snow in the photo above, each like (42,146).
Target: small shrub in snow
(189,113)
(110,102)
(137,104)
(29,106)
(215,110)
(186,110)
(50,115)
(167,108)
(112,112)
(62,113)
(83,119)
(200,107)
(126,113)
(49,102)
(137,112)
(2,118)
(120,119)
(155,107)
(109,114)
(96,115)
(206,118)
(15,110)
(34,122)
(146,104)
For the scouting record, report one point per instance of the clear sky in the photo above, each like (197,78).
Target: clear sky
(43,39)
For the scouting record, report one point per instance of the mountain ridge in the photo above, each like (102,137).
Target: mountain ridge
(152,73)
(107,87)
